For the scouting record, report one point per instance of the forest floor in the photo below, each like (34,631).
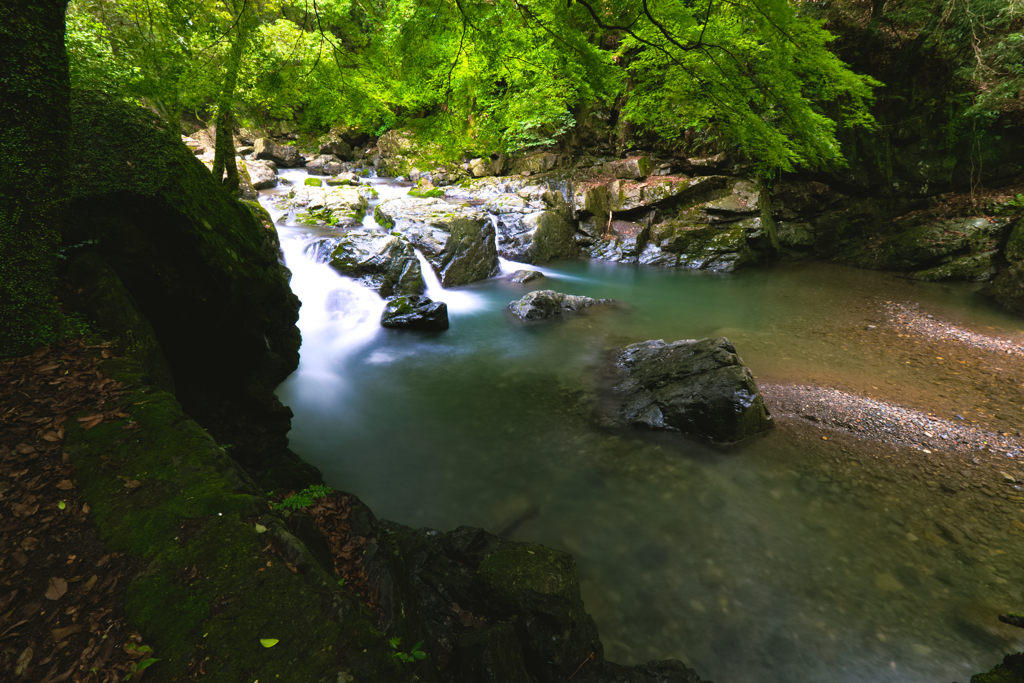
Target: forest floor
(61,592)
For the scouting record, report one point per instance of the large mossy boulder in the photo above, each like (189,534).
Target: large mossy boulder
(385,263)
(202,266)
(698,387)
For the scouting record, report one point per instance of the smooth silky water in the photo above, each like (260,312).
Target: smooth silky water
(731,560)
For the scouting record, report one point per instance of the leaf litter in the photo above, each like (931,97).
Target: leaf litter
(61,594)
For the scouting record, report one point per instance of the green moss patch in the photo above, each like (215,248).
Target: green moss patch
(212,586)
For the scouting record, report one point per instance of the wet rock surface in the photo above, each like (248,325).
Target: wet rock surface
(698,387)
(547,303)
(385,263)
(524,276)
(415,313)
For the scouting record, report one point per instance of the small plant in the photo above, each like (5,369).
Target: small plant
(406,657)
(137,667)
(305,497)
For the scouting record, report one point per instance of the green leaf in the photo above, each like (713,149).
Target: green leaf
(62,505)
(260,528)
(269,642)
(145,664)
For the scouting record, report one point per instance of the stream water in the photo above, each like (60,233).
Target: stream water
(743,562)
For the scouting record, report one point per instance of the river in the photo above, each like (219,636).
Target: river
(749,563)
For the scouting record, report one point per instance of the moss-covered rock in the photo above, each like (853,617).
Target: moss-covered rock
(972,267)
(211,585)
(94,289)
(315,182)
(385,263)
(1011,670)
(202,267)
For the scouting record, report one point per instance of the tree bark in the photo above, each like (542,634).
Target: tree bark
(225,168)
(35,124)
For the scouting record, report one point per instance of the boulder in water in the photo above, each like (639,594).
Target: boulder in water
(458,240)
(324,164)
(698,387)
(524,276)
(386,263)
(545,303)
(415,312)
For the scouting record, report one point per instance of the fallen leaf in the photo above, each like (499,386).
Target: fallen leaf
(132,484)
(29,543)
(260,528)
(1018,524)
(106,353)
(56,588)
(21,557)
(87,586)
(59,634)
(25,449)
(24,510)
(91,421)
(51,437)
(86,508)
(269,642)
(24,659)
(64,485)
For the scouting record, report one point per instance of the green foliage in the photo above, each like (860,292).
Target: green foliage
(305,497)
(406,657)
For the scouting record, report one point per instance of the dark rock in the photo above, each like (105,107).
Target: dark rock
(490,655)
(524,276)
(202,266)
(94,289)
(282,155)
(698,387)
(386,263)
(415,312)
(546,303)
(458,241)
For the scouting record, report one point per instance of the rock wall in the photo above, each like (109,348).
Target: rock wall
(202,267)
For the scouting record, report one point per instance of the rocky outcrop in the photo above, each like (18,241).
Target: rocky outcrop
(286,156)
(385,263)
(1008,286)
(546,303)
(415,313)
(698,387)
(458,241)
(202,267)
(338,205)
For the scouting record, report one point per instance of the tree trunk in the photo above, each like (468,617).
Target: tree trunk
(225,169)
(35,124)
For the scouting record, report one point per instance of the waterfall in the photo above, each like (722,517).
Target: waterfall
(458,301)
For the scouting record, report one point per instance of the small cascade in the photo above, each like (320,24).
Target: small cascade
(337,316)
(508,267)
(458,301)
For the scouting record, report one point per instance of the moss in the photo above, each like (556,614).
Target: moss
(208,591)
(532,569)
(1015,245)
(34,128)
(315,182)
(426,194)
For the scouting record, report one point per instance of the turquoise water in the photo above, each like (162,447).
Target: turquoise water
(746,563)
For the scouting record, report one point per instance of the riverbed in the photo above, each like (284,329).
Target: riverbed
(809,554)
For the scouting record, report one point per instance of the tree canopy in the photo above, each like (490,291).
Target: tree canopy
(485,75)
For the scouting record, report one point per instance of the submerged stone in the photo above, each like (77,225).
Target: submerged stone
(415,312)
(546,303)
(698,387)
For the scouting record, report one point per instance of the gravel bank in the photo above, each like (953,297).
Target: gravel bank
(887,422)
(912,319)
